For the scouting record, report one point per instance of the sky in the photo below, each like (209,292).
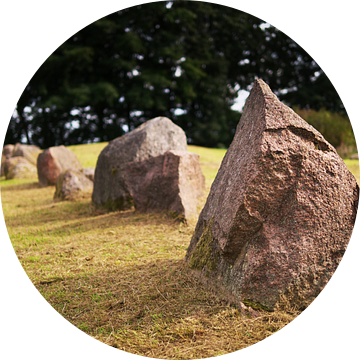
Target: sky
(240,100)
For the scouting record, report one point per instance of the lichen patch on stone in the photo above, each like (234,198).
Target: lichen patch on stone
(204,254)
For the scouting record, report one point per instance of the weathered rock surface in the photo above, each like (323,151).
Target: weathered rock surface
(6,154)
(280,212)
(89,172)
(69,183)
(172,183)
(53,161)
(29,152)
(19,167)
(151,139)
(8,151)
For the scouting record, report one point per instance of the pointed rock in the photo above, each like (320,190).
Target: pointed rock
(280,212)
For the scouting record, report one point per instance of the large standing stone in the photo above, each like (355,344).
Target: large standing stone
(280,212)
(29,152)
(19,167)
(151,139)
(70,182)
(172,182)
(53,161)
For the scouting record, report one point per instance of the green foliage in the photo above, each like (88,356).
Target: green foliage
(255,306)
(336,128)
(152,60)
(315,92)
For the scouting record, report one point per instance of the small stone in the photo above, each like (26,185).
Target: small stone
(29,152)
(8,151)
(89,172)
(70,183)
(53,161)
(19,167)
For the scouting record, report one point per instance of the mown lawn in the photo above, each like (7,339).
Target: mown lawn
(120,276)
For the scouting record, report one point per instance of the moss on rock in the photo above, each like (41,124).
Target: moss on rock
(114,171)
(255,305)
(203,254)
(122,203)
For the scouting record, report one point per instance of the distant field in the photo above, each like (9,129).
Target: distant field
(120,276)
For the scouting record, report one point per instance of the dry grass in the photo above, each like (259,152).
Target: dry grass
(120,276)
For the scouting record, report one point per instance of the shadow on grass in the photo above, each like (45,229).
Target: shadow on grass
(19,186)
(70,218)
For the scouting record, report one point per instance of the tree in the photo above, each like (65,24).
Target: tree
(316,94)
(184,60)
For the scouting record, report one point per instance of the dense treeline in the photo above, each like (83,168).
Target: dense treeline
(335,127)
(184,60)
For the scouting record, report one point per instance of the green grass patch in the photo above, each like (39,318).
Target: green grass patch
(353,166)
(88,153)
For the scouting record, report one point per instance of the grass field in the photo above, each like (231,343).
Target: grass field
(120,276)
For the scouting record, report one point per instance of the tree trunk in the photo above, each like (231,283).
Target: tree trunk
(100,131)
(24,124)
